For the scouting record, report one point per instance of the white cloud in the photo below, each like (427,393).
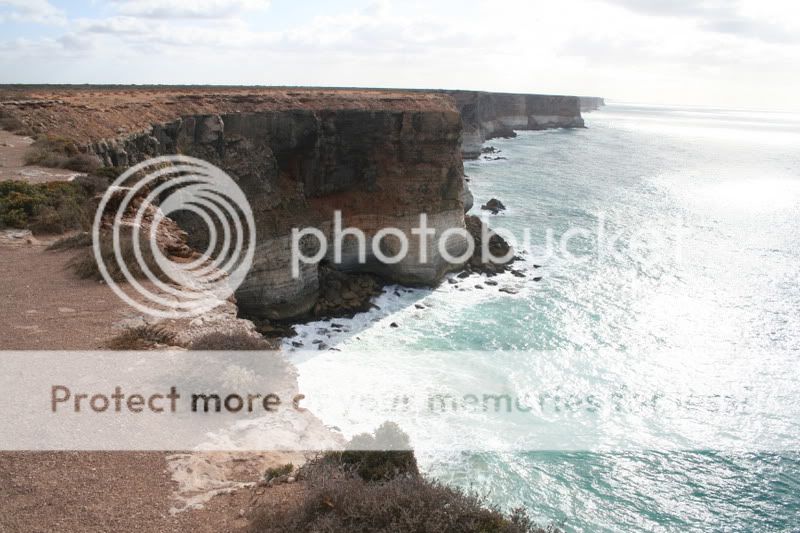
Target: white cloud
(675,51)
(188,9)
(39,11)
(724,16)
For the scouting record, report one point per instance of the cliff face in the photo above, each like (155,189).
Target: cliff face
(591,103)
(381,168)
(489,115)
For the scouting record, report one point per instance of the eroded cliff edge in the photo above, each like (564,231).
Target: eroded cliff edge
(488,115)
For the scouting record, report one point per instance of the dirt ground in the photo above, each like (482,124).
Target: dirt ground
(93,113)
(45,307)
(12,162)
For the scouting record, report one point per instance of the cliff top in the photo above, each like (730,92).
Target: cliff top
(91,113)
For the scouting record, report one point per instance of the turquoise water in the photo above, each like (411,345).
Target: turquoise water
(697,298)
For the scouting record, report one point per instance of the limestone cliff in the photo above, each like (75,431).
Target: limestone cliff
(380,166)
(591,103)
(488,115)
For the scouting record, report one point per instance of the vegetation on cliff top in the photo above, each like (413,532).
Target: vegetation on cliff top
(58,152)
(53,207)
(381,491)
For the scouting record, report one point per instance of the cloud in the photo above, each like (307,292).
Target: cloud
(720,16)
(39,11)
(188,9)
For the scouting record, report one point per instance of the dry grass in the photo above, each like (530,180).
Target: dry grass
(340,499)
(84,264)
(11,123)
(57,152)
(231,342)
(141,338)
(336,502)
(71,242)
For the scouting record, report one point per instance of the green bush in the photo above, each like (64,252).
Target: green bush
(278,471)
(52,207)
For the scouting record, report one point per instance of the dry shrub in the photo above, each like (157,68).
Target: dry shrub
(141,338)
(85,265)
(59,152)
(278,471)
(380,456)
(335,502)
(83,163)
(239,341)
(340,499)
(71,242)
(11,123)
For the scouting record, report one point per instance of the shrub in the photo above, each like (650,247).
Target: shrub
(402,505)
(141,338)
(239,341)
(11,123)
(109,173)
(339,498)
(278,471)
(14,218)
(70,242)
(381,456)
(85,265)
(83,163)
(52,207)
(59,152)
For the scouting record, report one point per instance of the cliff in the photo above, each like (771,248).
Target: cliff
(381,157)
(591,103)
(489,115)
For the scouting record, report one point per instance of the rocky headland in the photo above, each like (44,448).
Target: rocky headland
(381,157)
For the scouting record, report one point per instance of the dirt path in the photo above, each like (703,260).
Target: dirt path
(45,307)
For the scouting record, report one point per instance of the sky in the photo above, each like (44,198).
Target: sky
(735,53)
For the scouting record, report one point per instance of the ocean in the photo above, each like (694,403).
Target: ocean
(675,302)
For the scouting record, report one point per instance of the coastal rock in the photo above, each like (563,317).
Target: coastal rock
(494,206)
(500,254)
(466,197)
(344,294)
